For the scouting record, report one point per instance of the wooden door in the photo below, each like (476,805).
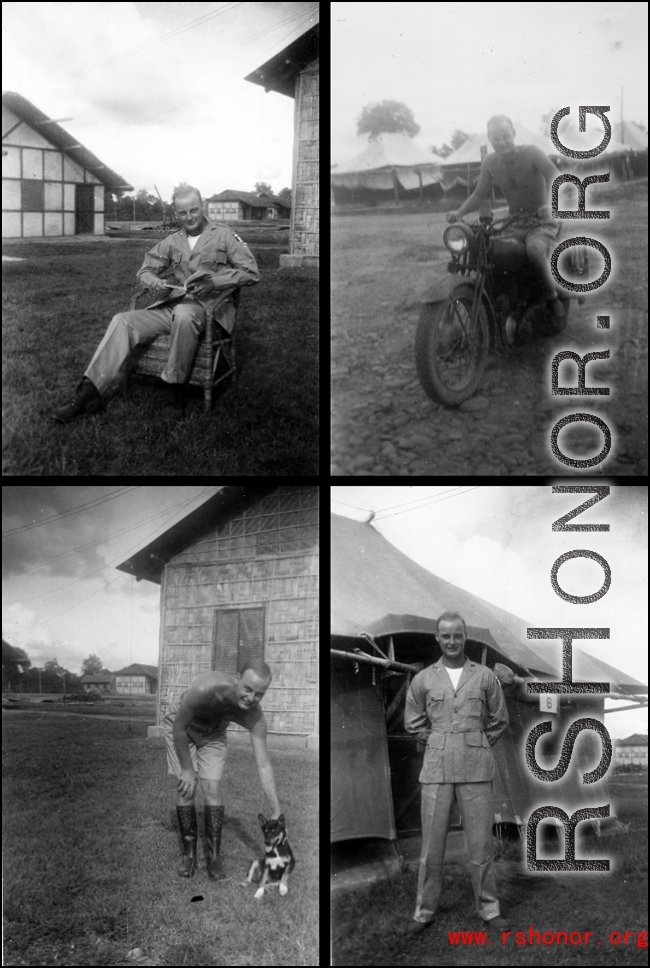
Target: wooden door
(238,636)
(85,210)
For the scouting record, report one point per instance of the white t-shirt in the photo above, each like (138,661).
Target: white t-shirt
(193,239)
(454,675)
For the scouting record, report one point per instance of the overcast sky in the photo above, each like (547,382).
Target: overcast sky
(62,596)
(456,64)
(157,90)
(497,542)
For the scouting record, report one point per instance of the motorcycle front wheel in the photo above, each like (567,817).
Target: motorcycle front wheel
(450,351)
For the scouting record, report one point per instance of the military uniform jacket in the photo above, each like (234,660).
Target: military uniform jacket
(460,725)
(218,251)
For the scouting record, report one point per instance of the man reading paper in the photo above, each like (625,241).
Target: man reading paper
(207,262)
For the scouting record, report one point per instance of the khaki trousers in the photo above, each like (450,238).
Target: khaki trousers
(128,330)
(475,803)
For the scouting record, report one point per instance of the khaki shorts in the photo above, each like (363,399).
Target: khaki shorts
(208,750)
(548,230)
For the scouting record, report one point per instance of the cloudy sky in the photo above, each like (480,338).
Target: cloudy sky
(456,64)
(157,90)
(62,596)
(497,542)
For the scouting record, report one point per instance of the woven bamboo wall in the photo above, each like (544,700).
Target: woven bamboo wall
(267,555)
(304,227)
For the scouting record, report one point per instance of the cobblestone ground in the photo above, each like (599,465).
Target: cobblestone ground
(382,422)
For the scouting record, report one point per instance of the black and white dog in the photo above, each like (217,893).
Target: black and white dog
(274,868)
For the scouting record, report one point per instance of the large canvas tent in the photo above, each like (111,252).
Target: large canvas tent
(391,162)
(378,590)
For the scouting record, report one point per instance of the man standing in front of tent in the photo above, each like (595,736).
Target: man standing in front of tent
(458,707)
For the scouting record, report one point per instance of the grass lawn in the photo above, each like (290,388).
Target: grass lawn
(90,856)
(57,304)
(368,923)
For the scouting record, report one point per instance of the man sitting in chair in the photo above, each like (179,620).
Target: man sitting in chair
(218,259)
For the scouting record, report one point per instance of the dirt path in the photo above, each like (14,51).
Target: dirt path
(383,424)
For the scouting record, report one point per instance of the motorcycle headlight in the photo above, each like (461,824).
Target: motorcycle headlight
(458,238)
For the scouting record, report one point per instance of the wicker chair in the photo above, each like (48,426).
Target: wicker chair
(215,346)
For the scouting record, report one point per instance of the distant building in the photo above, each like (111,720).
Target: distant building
(100,683)
(51,184)
(234,206)
(633,750)
(294,72)
(137,679)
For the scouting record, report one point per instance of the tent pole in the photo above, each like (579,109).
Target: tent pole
(371,660)
(621,709)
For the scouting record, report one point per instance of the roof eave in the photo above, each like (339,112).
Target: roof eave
(280,71)
(148,562)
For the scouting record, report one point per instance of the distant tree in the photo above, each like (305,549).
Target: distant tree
(92,666)
(285,195)
(442,152)
(458,138)
(262,188)
(14,662)
(386,116)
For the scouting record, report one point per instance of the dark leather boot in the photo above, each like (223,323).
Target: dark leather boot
(87,400)
(187,826)
(213,817)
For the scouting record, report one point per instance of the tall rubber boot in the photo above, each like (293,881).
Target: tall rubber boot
(213,818)
(187,826)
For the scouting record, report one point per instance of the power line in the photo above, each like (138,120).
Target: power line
(108,537)
(418,500)
(64,514)
(239,72)
(409,505)
(169,35)
(433,501)
(169,513)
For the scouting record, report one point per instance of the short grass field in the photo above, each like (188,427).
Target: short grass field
(57,304)
(368,924)
(90,856)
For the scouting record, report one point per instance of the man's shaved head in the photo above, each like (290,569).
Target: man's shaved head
(500,119)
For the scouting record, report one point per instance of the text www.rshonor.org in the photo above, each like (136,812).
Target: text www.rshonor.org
(533,937)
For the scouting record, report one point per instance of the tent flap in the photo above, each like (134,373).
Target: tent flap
(362,804)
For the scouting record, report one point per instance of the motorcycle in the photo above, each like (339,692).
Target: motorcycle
(493,299)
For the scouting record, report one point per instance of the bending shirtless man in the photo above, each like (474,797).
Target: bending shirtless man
(195,733)
(525,175)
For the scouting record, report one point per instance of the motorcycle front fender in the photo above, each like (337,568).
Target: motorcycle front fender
(444,287)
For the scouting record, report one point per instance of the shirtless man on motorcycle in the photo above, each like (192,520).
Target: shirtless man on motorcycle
(525,175)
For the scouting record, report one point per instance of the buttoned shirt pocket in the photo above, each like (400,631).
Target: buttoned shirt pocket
(212,259)
(479,760)
(476,738)
(436,703)
(474,708)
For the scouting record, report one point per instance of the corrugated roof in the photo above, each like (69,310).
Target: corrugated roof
(378,589)
(54,133)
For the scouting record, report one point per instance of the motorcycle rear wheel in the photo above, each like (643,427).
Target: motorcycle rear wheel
(450,353)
